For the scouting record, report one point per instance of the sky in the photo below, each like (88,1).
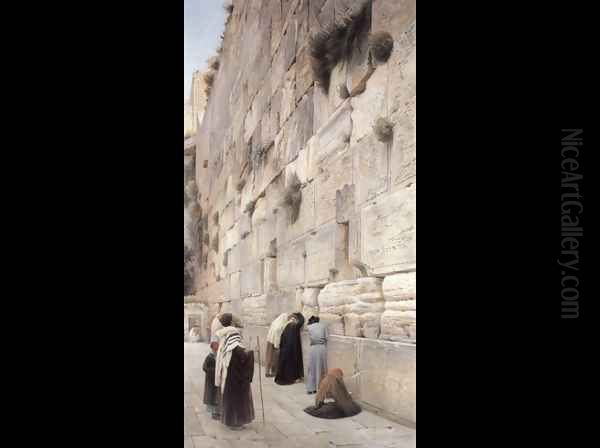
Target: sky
(204,21)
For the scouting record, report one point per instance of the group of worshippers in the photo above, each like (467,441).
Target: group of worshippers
(229,370)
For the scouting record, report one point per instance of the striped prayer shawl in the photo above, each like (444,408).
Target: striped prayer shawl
(229,338)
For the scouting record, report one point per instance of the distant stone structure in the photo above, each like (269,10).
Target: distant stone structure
(306,182)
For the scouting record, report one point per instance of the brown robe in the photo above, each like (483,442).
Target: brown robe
(332,386)
(237,407)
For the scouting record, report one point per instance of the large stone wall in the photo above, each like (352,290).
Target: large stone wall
(270,133)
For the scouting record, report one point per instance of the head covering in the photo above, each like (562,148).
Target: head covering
(276,329)
(336,372)
(229,338)
(299,319)
(226,319)
(312,320)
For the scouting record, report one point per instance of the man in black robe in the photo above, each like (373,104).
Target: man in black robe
(291,366)
(211,392)
(234,371)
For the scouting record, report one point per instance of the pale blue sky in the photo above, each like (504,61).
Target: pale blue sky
(204,21)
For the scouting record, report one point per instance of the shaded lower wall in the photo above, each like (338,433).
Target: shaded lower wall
(380,374)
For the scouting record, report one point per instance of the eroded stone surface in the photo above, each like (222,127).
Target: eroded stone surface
(389,233)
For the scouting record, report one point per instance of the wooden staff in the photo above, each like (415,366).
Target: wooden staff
(260,380)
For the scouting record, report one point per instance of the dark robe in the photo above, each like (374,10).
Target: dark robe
(237,406)
(211,392)
(343,405)
(290,367)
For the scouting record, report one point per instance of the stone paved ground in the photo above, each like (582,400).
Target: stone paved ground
(287,425)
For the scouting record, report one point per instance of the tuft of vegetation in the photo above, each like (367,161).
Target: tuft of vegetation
(206,239)
(209,79)
(292,197)
(381,45)
(215,244)
(216,218)
(335,42)
(214,63)
(240,185)
(250,206)
(343,91)
(383,129)
(226,258)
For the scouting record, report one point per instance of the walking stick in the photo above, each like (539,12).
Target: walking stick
(262,404)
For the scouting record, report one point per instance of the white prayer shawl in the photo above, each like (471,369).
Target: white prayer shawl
(229,338)
(276,329)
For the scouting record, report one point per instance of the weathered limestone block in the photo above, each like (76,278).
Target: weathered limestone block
(234,292)
(320,254)
(371,168)
(334,322)
(248,249)
(389,233)
(331,138)
(352,325)
(398,321)
(284,58)
(392,385)
(288,98)
(270,275)
(370,105)
(252,280)
(255,310)
(359,302)
(310,296)
(334,175)
(260,212)
(286,230)
(301,126)
(266,234)
(231,238)
(402,84)
(304,75)
(290,264)
(344,204)
(245,225)
(403,157)
(322,108)
(339,76)
(393,16)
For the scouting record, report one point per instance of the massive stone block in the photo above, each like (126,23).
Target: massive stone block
(398,321)
(252,279)
(321,254)
(359,302)
(301,126)
(234,292)
(270,275)
(389,233)
(331,139)
(392,385)
(334,175)
(393,16)
(370,105)
(291,264)
(371,167)
(403,157)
